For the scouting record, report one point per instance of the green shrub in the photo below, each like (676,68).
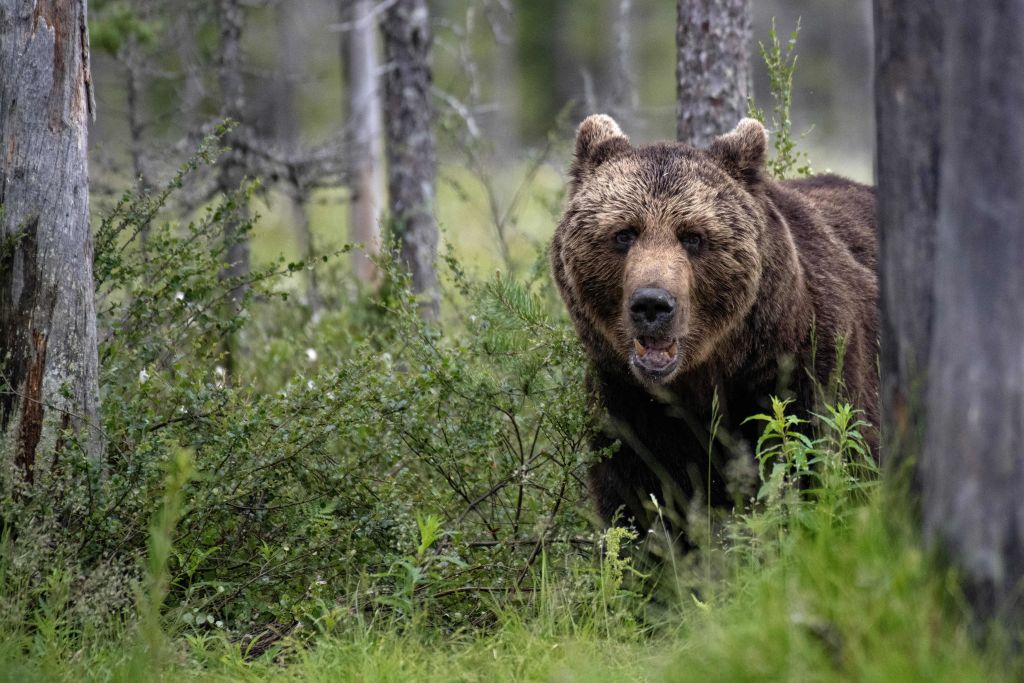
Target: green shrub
(322,461)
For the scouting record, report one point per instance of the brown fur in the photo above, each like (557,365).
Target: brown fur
(765,277)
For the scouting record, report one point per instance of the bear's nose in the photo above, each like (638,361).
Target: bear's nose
(651,306)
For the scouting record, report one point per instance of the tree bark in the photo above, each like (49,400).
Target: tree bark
(712,68)
(951,215)
(48,353)
(908,107)
(412,166)
(972,471)
(362,67)
(233,164)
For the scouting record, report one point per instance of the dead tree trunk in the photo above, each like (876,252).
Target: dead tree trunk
(969,313)
(48,357)
(412,166)
(712,67)
(362,70)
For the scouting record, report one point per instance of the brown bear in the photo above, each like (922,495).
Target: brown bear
(692,277)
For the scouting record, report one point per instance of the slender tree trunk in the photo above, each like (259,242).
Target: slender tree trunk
(412,166)
(624,97)
(908,101)
(961,311)
(712,67)
(48,354)
(569,80)
(362,68)
(233,165)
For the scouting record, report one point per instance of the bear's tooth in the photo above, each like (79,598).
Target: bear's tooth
(672,349)
(641,350)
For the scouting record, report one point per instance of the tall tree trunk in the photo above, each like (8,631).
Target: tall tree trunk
(624,97)
(972,470)
(908,107)
(362,67)
(712,67)
(232,93)
(285,130)
(233,164)
(966,320)
(48,351)
(412,166)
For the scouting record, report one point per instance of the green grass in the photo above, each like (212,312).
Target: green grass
(856,600)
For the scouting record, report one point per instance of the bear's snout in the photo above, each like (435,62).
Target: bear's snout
(651,309)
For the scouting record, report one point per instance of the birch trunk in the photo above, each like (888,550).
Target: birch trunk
(48,351)
(362,68)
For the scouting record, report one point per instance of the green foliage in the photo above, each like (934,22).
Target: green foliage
(113,23)
(781,64)
(366,462)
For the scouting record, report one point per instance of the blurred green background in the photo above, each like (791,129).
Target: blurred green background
(526,71)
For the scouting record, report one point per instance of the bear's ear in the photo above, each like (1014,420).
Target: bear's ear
(598,139)
(742,152)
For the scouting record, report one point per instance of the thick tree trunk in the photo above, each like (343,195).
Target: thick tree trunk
(908,99)
(712,68)
(233,164)
(362,67)
(412,166)
(48,351)
(952,219)
(972,471)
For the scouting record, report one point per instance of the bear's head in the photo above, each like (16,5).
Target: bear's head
(657,254)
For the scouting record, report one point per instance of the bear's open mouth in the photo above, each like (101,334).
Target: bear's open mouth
(655,358)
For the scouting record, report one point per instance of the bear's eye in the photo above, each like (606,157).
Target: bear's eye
(691,241)
(625,238)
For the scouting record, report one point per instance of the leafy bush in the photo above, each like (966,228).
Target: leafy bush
(368,461)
